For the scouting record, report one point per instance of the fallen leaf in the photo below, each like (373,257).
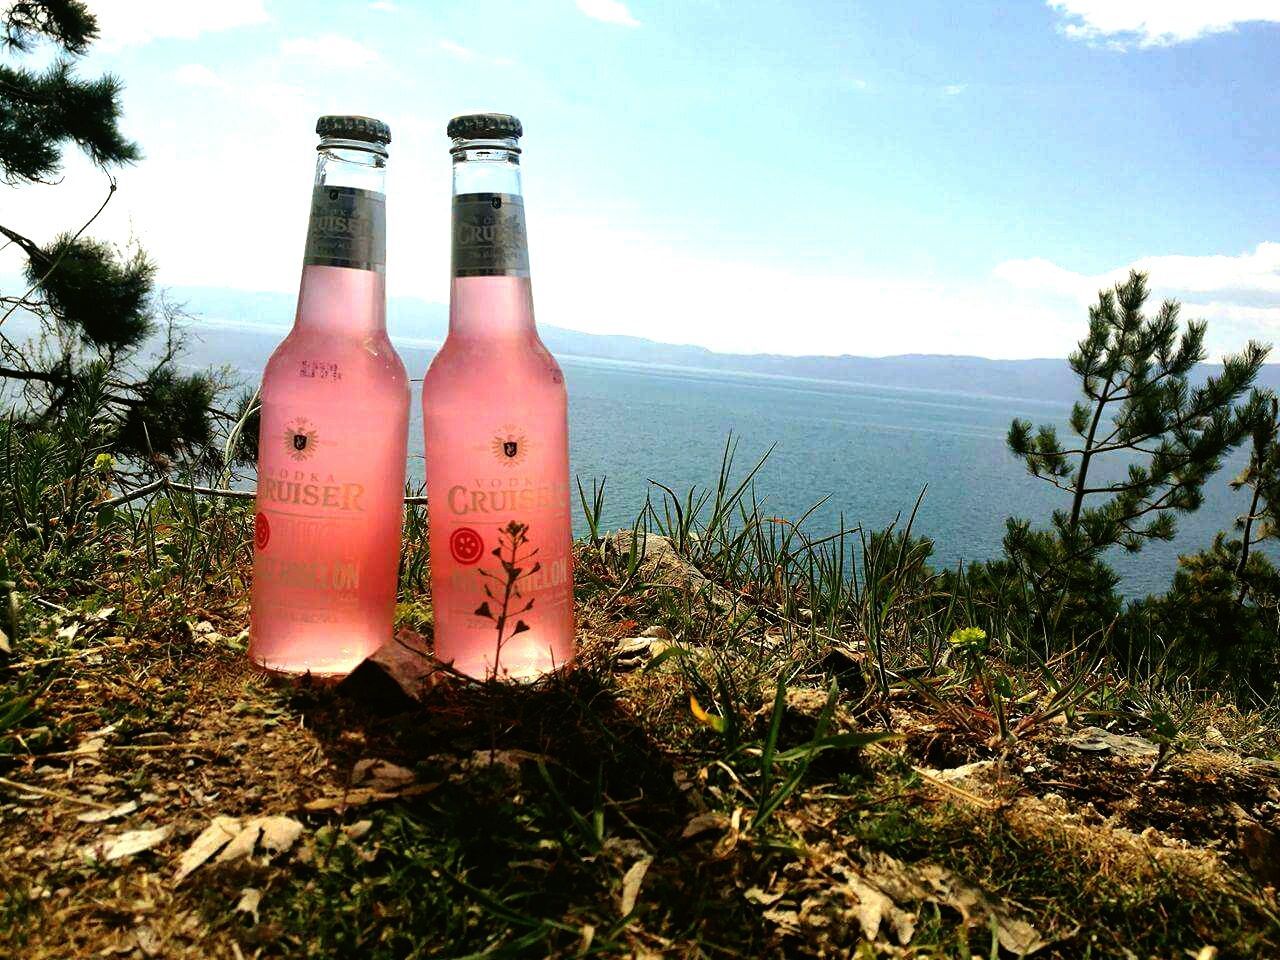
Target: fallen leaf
(279,833)
(212,839)
(249,902)
(714,721)
(361,796)
(242,844)
(115,813)
(381,774)
(127,843)
(702,823)
(355,831)
(764,899)
(148,941)
(631,881)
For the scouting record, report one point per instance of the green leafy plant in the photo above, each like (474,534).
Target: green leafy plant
(1146,439)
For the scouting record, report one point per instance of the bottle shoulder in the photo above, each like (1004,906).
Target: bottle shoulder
(350,365)
(523,363)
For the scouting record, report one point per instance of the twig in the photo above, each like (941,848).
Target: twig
(165,483)
(940,784)
(143,747)
(14,785)
(87,651)
(65,250)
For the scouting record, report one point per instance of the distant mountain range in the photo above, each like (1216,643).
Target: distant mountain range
(422,323)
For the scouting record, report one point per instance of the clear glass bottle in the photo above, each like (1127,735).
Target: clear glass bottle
(496,431)
(334,427)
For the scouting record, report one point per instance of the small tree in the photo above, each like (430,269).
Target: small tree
(95,305)
(1262,476)
(1141,412)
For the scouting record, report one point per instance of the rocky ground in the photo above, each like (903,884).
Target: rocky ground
(165,800)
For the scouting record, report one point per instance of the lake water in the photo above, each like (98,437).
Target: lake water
(869,450)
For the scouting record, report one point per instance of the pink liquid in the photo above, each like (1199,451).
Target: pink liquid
(497,450)
(331,462)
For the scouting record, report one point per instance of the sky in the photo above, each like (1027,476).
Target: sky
(870,178)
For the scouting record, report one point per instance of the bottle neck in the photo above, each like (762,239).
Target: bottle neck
(344,265)
(490,295)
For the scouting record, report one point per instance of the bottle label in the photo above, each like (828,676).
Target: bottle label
(488,236)
(348,229)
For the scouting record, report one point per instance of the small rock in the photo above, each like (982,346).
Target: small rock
(380,774)
(635,651)
(975,770)
(1097,740)
(393,678)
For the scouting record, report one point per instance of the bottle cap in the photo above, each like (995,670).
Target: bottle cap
(353,128)
(485,126)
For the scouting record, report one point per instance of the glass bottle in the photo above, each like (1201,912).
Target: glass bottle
(496,435)
(334,427)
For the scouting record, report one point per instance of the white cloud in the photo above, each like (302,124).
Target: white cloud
(955,89)
(457,50)
(124,23)
(1122,24)
(330,49)
(1238,295)
(198,75)
(660,288)
(467,55)
(608,11)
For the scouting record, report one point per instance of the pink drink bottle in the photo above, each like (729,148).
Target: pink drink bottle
(334,425)
(497,443)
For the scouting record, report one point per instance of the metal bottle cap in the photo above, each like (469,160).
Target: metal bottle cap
(485,126)
(353,128)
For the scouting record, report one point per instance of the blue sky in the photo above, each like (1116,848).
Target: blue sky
(870,178)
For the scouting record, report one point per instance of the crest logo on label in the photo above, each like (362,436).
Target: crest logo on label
(261,531)
(510,447)
(465,546)
(300,439)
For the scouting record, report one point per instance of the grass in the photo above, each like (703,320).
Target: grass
(795,730)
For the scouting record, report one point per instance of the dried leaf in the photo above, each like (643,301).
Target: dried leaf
(279,833)
(716,723)
(380,774)
(249,901)
(703,823)
(212,839)
(631,881)
(115,813)
(361,796)
(128,843)
(242,844)
(355,831)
